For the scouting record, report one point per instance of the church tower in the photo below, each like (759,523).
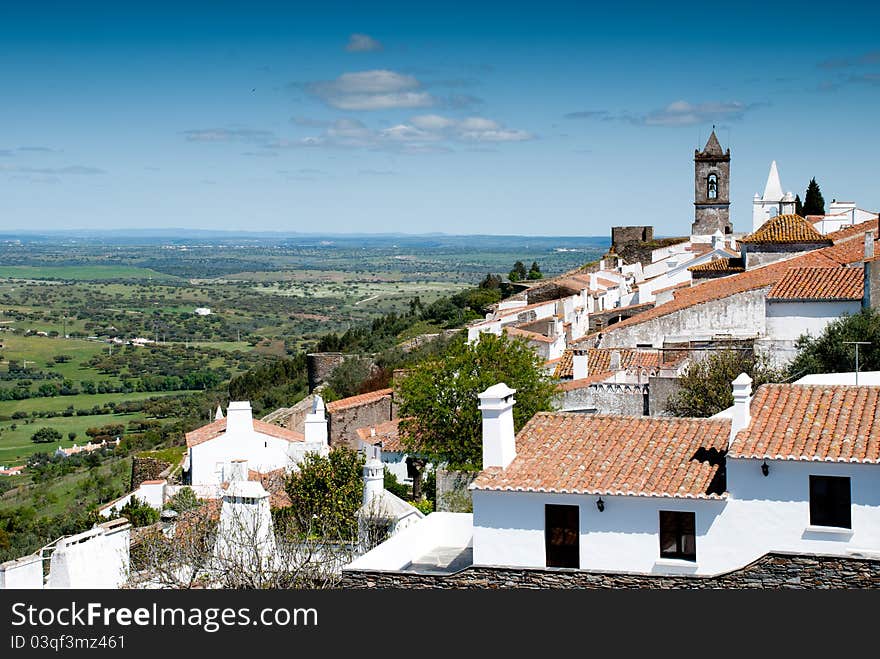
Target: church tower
(711,189)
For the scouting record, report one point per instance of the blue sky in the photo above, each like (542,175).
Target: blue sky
(464,117)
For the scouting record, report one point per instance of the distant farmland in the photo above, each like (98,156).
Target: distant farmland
(81,272)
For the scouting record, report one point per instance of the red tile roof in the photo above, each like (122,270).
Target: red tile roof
(842,253)
(724,264)
(274,483)
(527,335)
(599,361)
(812,422)
(819,284)
(614,455)
(786,229)
(387,433)
(855,230)
(218,427)
(360,399)
(683,284)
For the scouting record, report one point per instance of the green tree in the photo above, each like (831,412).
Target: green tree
(706,384)
(798,206)
(46,436)
(326,493)
(346,379)
(814,204)
(184,500)
(71,435)
(535,271)
(438,398)
(139,513)
(829,352)
(518,273)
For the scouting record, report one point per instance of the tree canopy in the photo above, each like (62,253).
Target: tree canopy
(438,398)
(706,384)
(518,272)
(829,352)
(814,203)
(535,271)
(46,436)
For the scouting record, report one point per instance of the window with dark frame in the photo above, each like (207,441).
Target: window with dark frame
(712,187)
(562,535)
(678,537)
(830,501)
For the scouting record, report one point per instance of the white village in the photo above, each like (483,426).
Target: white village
(607,488)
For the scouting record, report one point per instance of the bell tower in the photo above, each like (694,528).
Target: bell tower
(711,189)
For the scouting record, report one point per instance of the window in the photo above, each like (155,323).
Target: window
(830,501)
(712,186)
(677,536)
(562,536)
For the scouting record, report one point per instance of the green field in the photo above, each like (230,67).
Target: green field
(79,401)
(80,272)
(16,445)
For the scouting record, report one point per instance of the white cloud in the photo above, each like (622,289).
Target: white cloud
(379,89)
(227,135)
(682,113)
(431,122)
(362,43)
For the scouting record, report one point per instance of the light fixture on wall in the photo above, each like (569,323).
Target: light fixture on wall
(765,468)
(600,504)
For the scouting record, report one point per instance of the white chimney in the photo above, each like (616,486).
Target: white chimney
(742,398)
(615,360)
(579,363)
(869,245)
(499,441)
(238,417)
(316,423)
(218,414)
(374,476)
(238,470)
(717,239)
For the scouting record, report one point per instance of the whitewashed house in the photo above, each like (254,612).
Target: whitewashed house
(794,471)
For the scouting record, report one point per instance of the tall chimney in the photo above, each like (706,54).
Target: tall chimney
(499,441)
(316,423)
(742,398)
(869,245)
(374,474)
(238,417)
(615,360)
(580,363)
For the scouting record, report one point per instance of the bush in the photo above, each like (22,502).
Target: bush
(139,513)
(46,436)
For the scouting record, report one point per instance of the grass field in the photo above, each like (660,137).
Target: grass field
(80,272)
(80,401)
(16,445)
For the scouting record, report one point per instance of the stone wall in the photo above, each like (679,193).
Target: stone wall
(601,319)
(146,469)
(771,571)
(342,424)
(293,418)
(660,390)
(763,253)
(605,398)
(621,236)
(453,495)
(320,365)
(872,284)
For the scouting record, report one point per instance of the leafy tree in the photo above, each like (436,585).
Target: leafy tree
(829,352)
(326,493)
(71,436)
(535,271)
(183,501)
(439,404)
(346,379)
(139,513)
(394,486)
(518,273)
(706,384)
(814,204)
(491,281)
(46,436)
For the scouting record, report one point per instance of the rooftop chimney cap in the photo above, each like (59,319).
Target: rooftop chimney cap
(496,391)
(238,405)
(742,379)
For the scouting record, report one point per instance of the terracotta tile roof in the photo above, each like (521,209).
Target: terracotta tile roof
(607,283)
(527,335)
(854,230)
(218,427)
(599,361)
(786,229)
(274,483)
(724,264)
(569,385)
(684,284)
(615,455)
(360,399)
(842,253)
(819,284)
(387,433)
(812,422)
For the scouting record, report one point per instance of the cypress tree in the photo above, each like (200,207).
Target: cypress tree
(814,204)
(798,206)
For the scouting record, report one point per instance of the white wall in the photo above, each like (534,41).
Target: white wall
(788,320)
(25,572)
(761,515)
(97,558)
(262,452)
(150,493)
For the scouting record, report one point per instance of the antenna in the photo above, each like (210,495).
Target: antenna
(857,344)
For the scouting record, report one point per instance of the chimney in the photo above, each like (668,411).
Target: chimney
(869,245)
(374,474)
(238,470)
(579,363)
(499,441)
(871,295)
(742,398)
(316,423)
(615,360)
(218,414)
(238,417)
(717,240)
